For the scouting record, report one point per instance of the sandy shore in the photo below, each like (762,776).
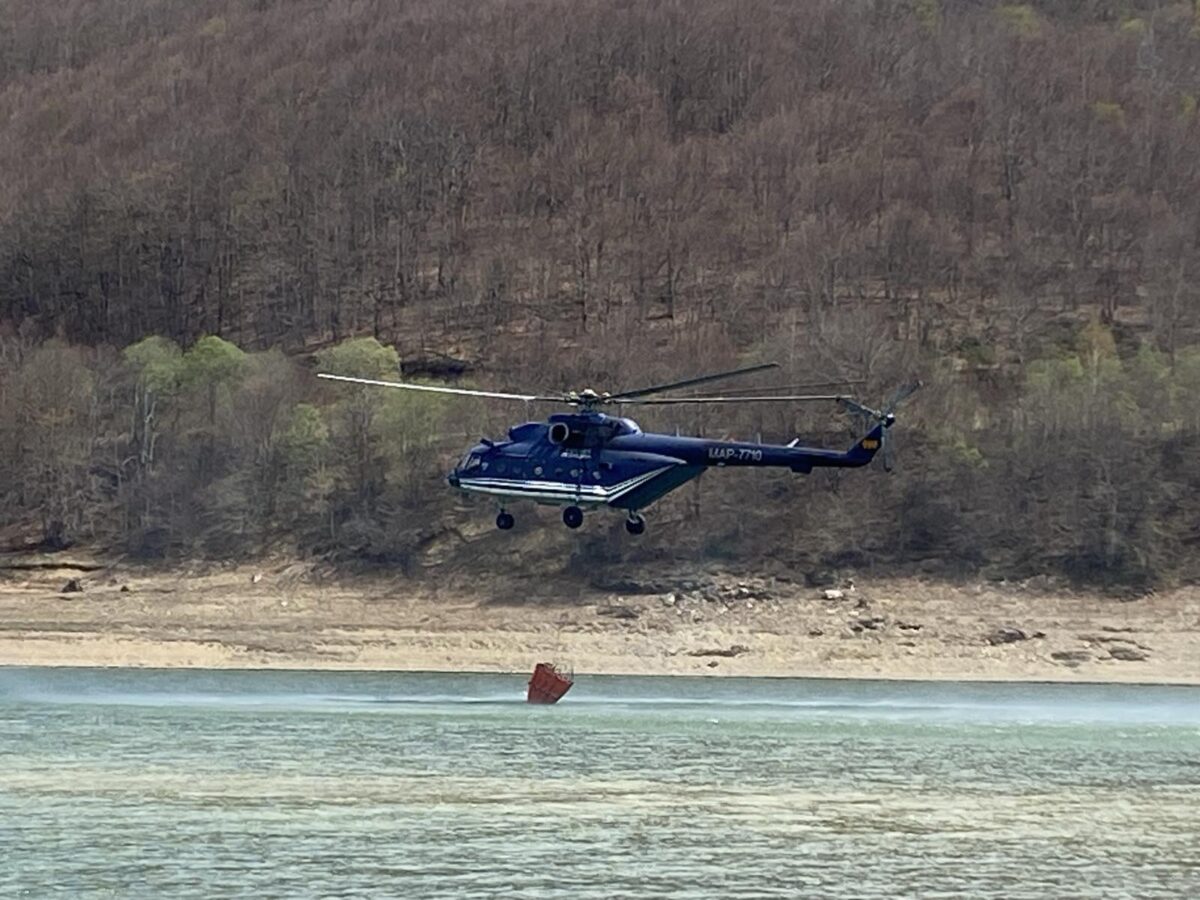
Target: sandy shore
(290,617)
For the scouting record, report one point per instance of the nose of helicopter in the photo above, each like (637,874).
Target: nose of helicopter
(452,478)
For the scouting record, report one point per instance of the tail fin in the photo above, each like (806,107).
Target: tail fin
(863,451)
(866,447)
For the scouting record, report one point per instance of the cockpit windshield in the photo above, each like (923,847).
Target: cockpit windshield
(469,461)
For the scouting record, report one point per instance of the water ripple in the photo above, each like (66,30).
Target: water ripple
(306,785)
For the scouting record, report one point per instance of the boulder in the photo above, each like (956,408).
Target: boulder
(735,650)
(73,586)
(1128,654)
(820,578)
(1071,657)
(1006,634)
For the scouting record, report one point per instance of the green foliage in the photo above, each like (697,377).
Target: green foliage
(411,420)
(309,483)
(304,438)
(1185,389)
(212,361)
(1096,423)
(407,428)
(964,452)
(360,358)
(158,363)
(1021,18)
(929,14)
(214,27)
(1054,377)
(1098,355)
(211,367)
(1106,111)
(1147,391)
(1187,371)
(975,353)
(1091,389)
(1091,477)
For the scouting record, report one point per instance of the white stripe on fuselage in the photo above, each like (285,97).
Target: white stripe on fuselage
(556,491)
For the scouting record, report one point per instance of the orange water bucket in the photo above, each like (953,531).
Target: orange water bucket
(548,684)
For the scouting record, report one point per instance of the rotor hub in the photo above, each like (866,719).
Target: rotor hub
(587,398)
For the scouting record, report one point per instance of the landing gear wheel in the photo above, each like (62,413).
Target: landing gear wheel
(505,521)
(635,524)
(572,516)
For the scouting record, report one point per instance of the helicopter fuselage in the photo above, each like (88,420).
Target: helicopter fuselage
(592,459)
(586,458)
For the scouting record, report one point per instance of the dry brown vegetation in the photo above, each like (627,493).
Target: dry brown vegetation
(1002,199)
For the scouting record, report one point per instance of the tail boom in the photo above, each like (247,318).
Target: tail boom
(701,453)
(860,454)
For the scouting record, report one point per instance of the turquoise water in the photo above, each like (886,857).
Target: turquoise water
(254,784)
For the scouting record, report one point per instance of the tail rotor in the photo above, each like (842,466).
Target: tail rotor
(885,417)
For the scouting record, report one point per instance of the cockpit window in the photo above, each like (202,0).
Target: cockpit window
(470,461)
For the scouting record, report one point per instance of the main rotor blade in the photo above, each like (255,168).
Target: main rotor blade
(854,406)
(792,398)
(903,392)
(801,386)
(494,395)
(689,382)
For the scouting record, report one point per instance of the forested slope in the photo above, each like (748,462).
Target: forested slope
(1003,200)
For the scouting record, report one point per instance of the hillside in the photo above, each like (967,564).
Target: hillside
(204,199)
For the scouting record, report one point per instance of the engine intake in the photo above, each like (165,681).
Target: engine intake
(559,432)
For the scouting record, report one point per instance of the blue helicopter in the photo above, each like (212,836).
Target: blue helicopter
(587,458)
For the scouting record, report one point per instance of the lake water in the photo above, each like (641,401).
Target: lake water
(296,784)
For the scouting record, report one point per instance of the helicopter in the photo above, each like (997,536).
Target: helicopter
(589,458)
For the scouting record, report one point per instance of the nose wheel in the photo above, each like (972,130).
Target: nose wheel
(572,516)
(635,524)
(505,521)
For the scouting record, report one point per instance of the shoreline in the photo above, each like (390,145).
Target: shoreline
(291,617)
(298,666)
